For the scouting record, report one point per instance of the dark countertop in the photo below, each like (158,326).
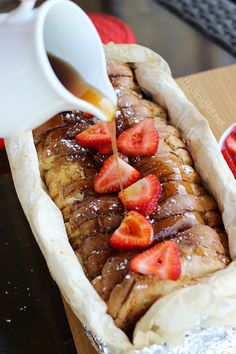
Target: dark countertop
(32,318)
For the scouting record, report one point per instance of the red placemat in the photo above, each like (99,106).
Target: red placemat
(112,29)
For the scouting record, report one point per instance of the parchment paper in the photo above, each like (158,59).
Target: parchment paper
(214,299)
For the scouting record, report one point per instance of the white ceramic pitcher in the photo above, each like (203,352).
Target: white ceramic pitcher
(30,92)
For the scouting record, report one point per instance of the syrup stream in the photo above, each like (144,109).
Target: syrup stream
(72,81)
(112,126)
(115,150)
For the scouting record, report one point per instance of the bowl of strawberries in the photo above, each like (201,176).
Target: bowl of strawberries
(227,145)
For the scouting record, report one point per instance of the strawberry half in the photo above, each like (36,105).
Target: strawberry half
(230,143)
(135,232)
(97,134)
(161,260)
(104,149)
(107,180)
(229,161)
(88,115)
(141,139)
(142,195)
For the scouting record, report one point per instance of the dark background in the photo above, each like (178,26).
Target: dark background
(32,318)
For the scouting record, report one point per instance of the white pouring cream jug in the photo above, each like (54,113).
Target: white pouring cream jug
(30,92)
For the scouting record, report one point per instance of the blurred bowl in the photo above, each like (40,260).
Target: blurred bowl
(229,130)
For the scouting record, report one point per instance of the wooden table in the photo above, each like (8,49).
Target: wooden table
(214,94)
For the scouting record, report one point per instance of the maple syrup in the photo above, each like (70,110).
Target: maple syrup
(112,126)
(73,82)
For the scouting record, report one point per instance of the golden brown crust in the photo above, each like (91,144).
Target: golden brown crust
(201,252)
(112,273)
(117,68)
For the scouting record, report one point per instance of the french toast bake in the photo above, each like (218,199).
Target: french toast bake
(185,212)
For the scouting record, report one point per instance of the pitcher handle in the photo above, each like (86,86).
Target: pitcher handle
(21,11)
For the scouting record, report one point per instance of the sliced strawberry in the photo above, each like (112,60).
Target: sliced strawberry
(229,161)
(104,149)
(142,195)
(135,232)
(161,260)
(107,180)
(151,206)
(141,139)
(97,134)
(88,115)
(230,143)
